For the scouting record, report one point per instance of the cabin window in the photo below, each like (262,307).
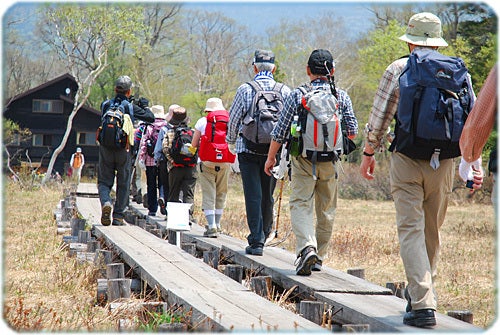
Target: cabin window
(85,138)
(48,106)
(42,140)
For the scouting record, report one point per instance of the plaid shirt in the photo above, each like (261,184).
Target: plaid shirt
(385,103)
(241,105)
(281,131)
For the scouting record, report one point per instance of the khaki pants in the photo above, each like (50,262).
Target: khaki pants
(421,198)
(213,185)
(311,197)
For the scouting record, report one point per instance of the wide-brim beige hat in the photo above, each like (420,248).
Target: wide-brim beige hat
(424,29)
(158,111)
(214,104)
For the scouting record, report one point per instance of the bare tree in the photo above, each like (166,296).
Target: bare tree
(82,35)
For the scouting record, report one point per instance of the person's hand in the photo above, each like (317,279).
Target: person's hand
(472,171)
(232,148)
(142,165)
(464,169)
(367,167)
(269,165)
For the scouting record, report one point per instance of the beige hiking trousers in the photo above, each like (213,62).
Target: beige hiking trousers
(313,198)
(421,198)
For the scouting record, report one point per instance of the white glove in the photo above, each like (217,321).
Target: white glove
(465,169)
(280,170)
(142,165)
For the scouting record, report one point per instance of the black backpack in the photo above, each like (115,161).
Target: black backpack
(183,135)
(262,117)
(434,102)
(110,133)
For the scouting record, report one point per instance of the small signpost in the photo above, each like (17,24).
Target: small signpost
(178,219)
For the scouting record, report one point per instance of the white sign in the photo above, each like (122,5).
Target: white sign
(178,216)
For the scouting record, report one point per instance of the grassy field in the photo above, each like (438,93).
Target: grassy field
(44,289)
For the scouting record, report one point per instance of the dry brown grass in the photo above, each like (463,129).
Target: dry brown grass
(44,289)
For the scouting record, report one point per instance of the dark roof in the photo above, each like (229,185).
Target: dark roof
(65,76)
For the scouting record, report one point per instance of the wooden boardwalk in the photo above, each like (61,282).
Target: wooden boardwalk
(220,303)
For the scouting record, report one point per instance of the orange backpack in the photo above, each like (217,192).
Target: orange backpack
(77,161)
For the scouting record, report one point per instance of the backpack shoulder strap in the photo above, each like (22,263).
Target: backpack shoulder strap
(254,85)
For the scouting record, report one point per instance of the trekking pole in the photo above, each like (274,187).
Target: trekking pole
(279,207)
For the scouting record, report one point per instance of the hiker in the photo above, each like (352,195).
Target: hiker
(181,159)
(161,161)
(147,161)
(258,188)
(136,177)
(115,158)
(419,186)
(313,184)
(214,163)
(477,129)
(77,162)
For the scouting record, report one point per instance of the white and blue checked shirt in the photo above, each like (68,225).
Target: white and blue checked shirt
(281,131)
(241,105)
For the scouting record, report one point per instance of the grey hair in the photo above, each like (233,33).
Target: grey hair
(264,66)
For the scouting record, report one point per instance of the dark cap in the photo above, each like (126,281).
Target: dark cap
(124,83)
(179,116)
(263,56)
(320,60)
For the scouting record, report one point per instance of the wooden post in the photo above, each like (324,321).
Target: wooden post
(190,248)
(234,271)
(211,257)
(115,271)
(172,236)
(312,311)
(357,272)
(77,224)
(118,288)
(93,245)
(397,288)
(102,291)
(140,222)
(261,285)
(465,316)
(101,259)
(175,327)
(356,328)
(84,236)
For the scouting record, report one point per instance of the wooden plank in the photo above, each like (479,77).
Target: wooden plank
(382,312)
(196,284)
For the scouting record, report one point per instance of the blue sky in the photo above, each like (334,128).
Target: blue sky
(260,15)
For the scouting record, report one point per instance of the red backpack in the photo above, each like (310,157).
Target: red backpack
(213,145)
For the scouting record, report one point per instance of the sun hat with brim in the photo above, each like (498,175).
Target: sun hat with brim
(158,111)
(179,116)
(214,104)
(424,29)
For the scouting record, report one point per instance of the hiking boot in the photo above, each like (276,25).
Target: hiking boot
(407,297)
(306,261)
(256,251)
(422,318)
(219,230)
(145,200)
(212,232)
(118,222)
(163,209)
(106,213)
(317,266)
